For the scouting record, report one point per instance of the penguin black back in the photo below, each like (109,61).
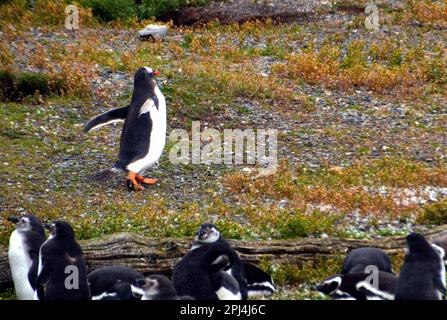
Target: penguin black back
(358,259)
(106,280)
(356,286)
(61,256)
(209,234)
(423,274)
(192,274)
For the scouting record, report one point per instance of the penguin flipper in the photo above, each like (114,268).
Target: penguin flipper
(111,116)
(42,278)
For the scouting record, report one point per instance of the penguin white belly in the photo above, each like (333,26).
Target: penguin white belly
(20,263)
(225,294)
(157,137)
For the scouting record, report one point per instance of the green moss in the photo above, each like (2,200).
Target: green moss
(109,10)
(434,214)
(8,294)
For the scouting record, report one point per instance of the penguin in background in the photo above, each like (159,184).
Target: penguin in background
(62,273)
(253,281)
(158,287)
(423,274)
(358,259)
(144,132)
(259,282)
(194,276)
(208,234)
(114,283)
(356,286)
(23,254)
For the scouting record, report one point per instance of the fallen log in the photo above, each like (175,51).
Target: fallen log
(155,255)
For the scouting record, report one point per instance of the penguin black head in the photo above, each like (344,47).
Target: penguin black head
(417,245)
(27,223)
(144,76)
(60,229)
(207,233)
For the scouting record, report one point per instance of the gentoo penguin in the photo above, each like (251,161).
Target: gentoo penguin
(356,286)
(144,132)
(158,287)
(423,274)
(193,275)
(209,234)
(104,283)
(62,271)
(23,254)
(358,259)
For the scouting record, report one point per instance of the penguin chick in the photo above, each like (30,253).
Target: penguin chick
(144,132)
(23,254)
(157,287)
(62,271)
(356,286)
(359,259)
(209,234)
(192,274)
(423,274)
(106,280)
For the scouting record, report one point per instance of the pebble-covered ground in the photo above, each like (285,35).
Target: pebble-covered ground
(356,161)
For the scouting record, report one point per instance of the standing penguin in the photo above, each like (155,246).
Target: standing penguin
(144,132)
(23,254)
(423,274)
(62,273)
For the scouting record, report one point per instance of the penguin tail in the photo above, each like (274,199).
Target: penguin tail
(106,174)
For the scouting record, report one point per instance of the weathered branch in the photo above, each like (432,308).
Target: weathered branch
(155,255)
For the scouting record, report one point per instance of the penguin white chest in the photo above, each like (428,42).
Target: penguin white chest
(157,136)
(20,263)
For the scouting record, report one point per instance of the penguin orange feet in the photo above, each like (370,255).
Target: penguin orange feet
(132,181)
(146,180)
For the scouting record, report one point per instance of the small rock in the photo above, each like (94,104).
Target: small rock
(153,31)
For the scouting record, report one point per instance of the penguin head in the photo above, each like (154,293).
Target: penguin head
(418,245)
(144,77)
(207,233)
(330,285)
(27,223)
(60,229)
(155,284)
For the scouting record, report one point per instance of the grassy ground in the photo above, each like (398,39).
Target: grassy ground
(361,117)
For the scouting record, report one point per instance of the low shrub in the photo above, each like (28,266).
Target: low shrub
(434,214)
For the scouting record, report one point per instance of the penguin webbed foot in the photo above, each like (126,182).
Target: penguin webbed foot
(133,181)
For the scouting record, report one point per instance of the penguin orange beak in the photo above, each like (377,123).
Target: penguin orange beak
(156,73)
